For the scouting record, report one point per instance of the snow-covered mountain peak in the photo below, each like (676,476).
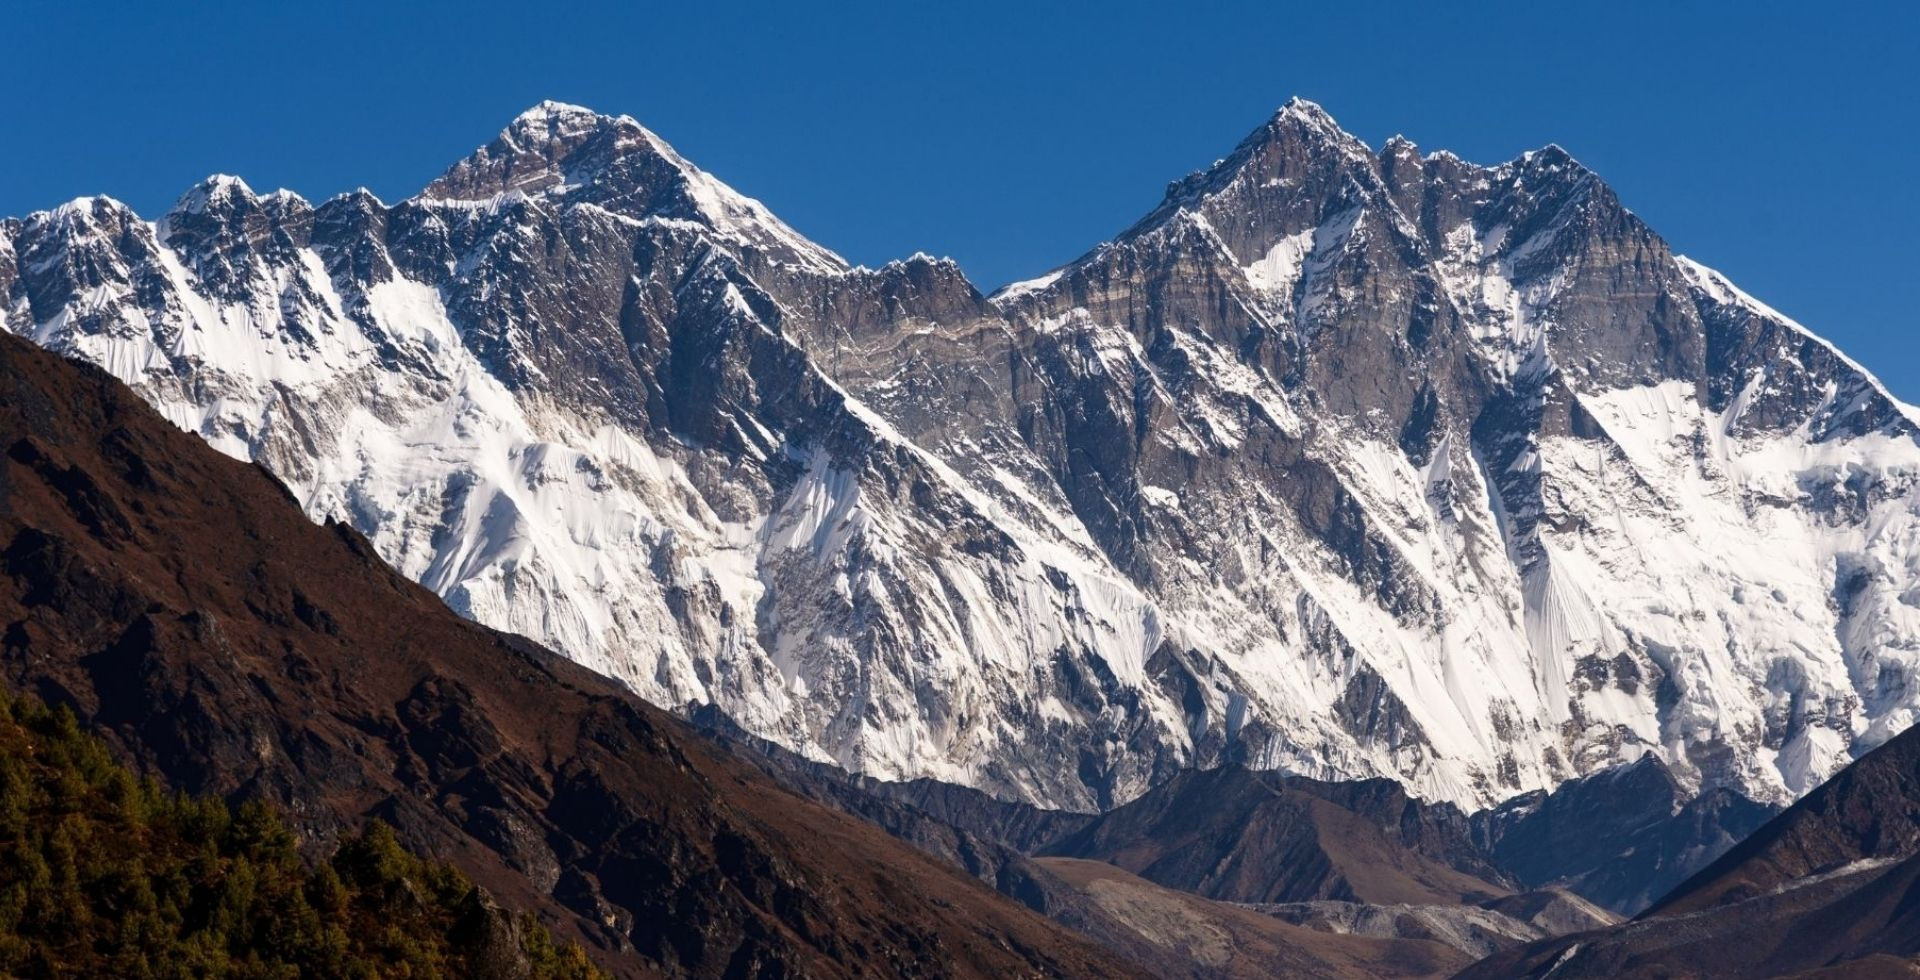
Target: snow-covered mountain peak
(559,118)
(534,153)
(361,200)
(1298,142)
(946,265)
(225,198)
(1551,156)
(1308,113)
(568,154)
(212,192)
(221,230)
(80,211)
(1549,167)
(1301,121)
(224,201)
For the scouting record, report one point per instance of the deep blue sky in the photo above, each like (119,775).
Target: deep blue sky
(1779,143)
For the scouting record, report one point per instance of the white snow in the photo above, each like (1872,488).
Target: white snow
(1280,268)
(1017,290)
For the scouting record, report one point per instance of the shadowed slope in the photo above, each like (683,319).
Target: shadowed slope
(1622,837)
(1243,836)
(181,603)
(1830,885)
(1870,810)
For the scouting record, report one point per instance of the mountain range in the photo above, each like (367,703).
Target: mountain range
(1342,462)
(178,604)
(1368,563)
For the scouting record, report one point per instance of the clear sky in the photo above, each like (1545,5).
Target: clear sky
(1777,142)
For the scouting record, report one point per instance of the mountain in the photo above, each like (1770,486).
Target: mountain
(1242,836)
(1869,813)
(1621,838)
(1152,878)
(182,605)
(1827,888)
(1344,462)
(1179,931)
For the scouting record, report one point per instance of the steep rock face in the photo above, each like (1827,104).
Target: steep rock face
(1349,463)
(616,449)
(1470,418)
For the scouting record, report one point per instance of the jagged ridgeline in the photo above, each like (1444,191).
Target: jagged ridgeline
(105,874)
